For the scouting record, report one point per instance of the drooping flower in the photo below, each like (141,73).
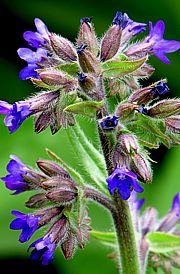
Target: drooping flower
(16,114)
(43,248)
(109,122)
(32,58)
(14,180)
(160,45)
(27,222)
(124,181)
(41,36)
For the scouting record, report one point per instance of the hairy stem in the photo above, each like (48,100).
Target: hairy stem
(126,237)
(96,196)
(128,251)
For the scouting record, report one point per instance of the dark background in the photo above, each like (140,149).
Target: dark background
(63,17)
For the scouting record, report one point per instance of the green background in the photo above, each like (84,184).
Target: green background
(63,17)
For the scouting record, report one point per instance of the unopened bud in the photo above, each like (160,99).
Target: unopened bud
(141,167)
(111,42)
(86,82)
(165,108)
(40,102)
(87,60)
(144,71)
(51,168)
(57,78)
(48,214)
(62,195)
(126,110)
(119,158)
(87,35)
(63,48)
(58,181)
(68,247)
(59,230)
(148,220)
(42,121)
(128,143)
(147,94)
(37,200)
(173,123)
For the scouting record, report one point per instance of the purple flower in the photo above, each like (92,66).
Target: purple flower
(160,45)
(43,248)
(16,114)
(160,89)
(109,123)
(129,27)
(176,205)
(41,36)
(32,58)
(14,180)
(124,181)
(27,222)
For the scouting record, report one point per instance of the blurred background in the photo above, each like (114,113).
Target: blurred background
(63,17)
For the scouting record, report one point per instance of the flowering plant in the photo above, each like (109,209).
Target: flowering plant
(101,81)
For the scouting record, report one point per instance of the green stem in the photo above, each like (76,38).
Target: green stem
(126,237)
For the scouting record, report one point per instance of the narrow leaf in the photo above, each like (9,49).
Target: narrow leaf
(71,68)
(162,242)
(106,238)
(87,108)
(117,69)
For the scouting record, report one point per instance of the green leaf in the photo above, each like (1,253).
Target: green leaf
(89,158)
(151,132)
(86,108)
(162,243)
(117,69)
(71,68)
(106,238)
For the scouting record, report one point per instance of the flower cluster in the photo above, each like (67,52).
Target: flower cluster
(56,193)
(99,79)
(148,222)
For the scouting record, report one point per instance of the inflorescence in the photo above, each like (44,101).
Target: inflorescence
(84,79)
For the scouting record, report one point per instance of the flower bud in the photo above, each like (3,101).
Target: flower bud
(165,108)
(59,230)
(58,181)
(87,35)
(126,110)
(173,123)
(87,60)
(42,121)
(111,42)
(141,167)
(148,220)
(147,94)
(48,214)
(86,82)
(68,247)
(62,195)
(42,101)
(144,71)
(57,78)
(128,143)
(51,169)
(37,200)
(63,48)
(109,123)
